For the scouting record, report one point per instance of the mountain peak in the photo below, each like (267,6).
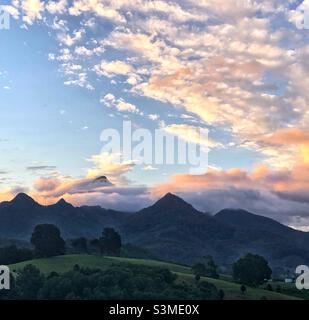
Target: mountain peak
(102,180)
(63,203)
(171,201)
(23,198)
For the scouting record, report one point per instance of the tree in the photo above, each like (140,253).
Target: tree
(199,269)
(209,289)
(197,278)
(80,244)
(94,242)
(76,267)
(269,287)
(221,294)
(251,270)
(134,282)
(29,281)
(47,241)
(110,242)
(211,268)
(12,254)
(243,289)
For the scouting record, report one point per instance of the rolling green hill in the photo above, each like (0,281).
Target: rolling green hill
(62,264)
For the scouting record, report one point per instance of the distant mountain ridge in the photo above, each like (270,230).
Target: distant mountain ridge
(171,229)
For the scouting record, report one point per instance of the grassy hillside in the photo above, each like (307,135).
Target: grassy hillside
(64,263)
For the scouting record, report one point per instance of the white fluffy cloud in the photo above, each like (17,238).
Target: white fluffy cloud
(192,134)
(120,104)
(70,40)
(112,68)
(33,10)
(55,7)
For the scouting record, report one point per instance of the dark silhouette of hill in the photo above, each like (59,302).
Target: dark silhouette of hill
(171,229)
(19,217)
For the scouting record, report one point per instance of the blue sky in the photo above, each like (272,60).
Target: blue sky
(59,125)
(70,69)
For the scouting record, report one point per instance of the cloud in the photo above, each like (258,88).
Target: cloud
(99,8)
(55,7)
(70,40)
(40,168)
(79,79)
(108,164)
(33,10)
(279,194)
(218,61)
(52,188)
(82,51)
(292,136)
(153,117)
(46,184)
(293,139)
(149,168)
(112,68)
(192,134)
(120,104)
(125,106)
(5,195)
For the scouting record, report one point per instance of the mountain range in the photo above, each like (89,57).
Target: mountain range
(171,229)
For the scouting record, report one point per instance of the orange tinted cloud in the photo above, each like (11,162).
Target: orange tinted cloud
(288,136)
(291,137)
(260,178)
(6,195)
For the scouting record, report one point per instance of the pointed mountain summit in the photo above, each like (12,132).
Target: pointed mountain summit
(23,199)
(168,211)
(102,180)
(62,204)
(171,201)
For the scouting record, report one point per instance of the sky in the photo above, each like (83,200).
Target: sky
(236,69)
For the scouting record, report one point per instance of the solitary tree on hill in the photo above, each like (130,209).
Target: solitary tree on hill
(47,241)
(199,269)
(110,242)
(251,270)
(211,267)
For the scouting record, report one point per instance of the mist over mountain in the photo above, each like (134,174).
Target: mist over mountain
(171,229)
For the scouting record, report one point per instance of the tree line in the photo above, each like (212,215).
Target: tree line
(118,282)
(47,242)
(251,270)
